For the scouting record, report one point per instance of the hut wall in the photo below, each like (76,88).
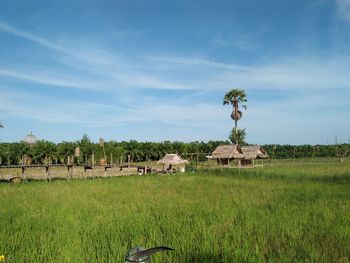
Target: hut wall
(246,162)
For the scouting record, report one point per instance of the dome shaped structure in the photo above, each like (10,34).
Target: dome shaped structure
(30,139)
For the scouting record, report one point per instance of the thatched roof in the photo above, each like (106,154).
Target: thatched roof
(234,151)
(254,152)
(173,159)
(230,151)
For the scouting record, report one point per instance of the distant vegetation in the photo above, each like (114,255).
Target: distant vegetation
(148,151)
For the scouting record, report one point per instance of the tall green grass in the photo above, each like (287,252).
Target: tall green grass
(276,214)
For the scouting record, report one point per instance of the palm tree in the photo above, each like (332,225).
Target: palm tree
(236,97)
(238,135)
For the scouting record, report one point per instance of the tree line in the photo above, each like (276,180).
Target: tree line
(11,153)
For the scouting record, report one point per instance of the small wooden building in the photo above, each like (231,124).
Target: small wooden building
(244,155)
(172,161)
(252,153)
(224,154)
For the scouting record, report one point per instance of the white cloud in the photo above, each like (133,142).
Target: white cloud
(295,74)
(310,80)
(59,110)
(6,27)
(73,111)
(239,43)
(48,78)
(97,68)
(298,73)
(197,61)
(108,70)
(147,81)
(343,9)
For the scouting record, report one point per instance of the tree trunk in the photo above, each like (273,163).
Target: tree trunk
(235,104)
(236,134)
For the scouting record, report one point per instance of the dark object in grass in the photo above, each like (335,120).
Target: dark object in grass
(141,255)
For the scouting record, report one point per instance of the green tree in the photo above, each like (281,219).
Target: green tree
(179,147)
(65,149)
(86,147)
(238,136)
(236,97)
(42,150)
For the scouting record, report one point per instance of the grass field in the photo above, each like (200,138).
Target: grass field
(284,213)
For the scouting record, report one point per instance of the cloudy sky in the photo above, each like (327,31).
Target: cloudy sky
(155,70)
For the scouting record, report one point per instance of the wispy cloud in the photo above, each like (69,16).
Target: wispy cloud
(343,9)
(74,111)
(61,111)
(319,87)
(29,36)
(49,78)
(242,43)
(197,61)
(108,70)
(299,115)
(297,73)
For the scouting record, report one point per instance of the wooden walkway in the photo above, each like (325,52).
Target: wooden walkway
(32,165)
(71,171)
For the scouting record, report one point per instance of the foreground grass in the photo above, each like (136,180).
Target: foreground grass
(277,214)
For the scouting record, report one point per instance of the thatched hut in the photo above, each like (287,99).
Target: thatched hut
(226,153)
(172,160)
(252,153)
(245,155)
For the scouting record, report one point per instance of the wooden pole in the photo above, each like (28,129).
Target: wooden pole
(85,172)
(68,163)
(71,168)
(24,168)
(47,172)
(50,175)
(24,176)
(104,152)
(47,168)
(92,164)
(128,160)
(69,171)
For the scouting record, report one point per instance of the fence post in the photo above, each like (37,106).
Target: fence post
(92,164)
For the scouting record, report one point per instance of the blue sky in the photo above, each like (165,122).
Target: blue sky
(158,70)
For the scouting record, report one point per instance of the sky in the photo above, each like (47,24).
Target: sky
(155,70)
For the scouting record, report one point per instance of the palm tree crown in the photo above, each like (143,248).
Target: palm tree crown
(235,96)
